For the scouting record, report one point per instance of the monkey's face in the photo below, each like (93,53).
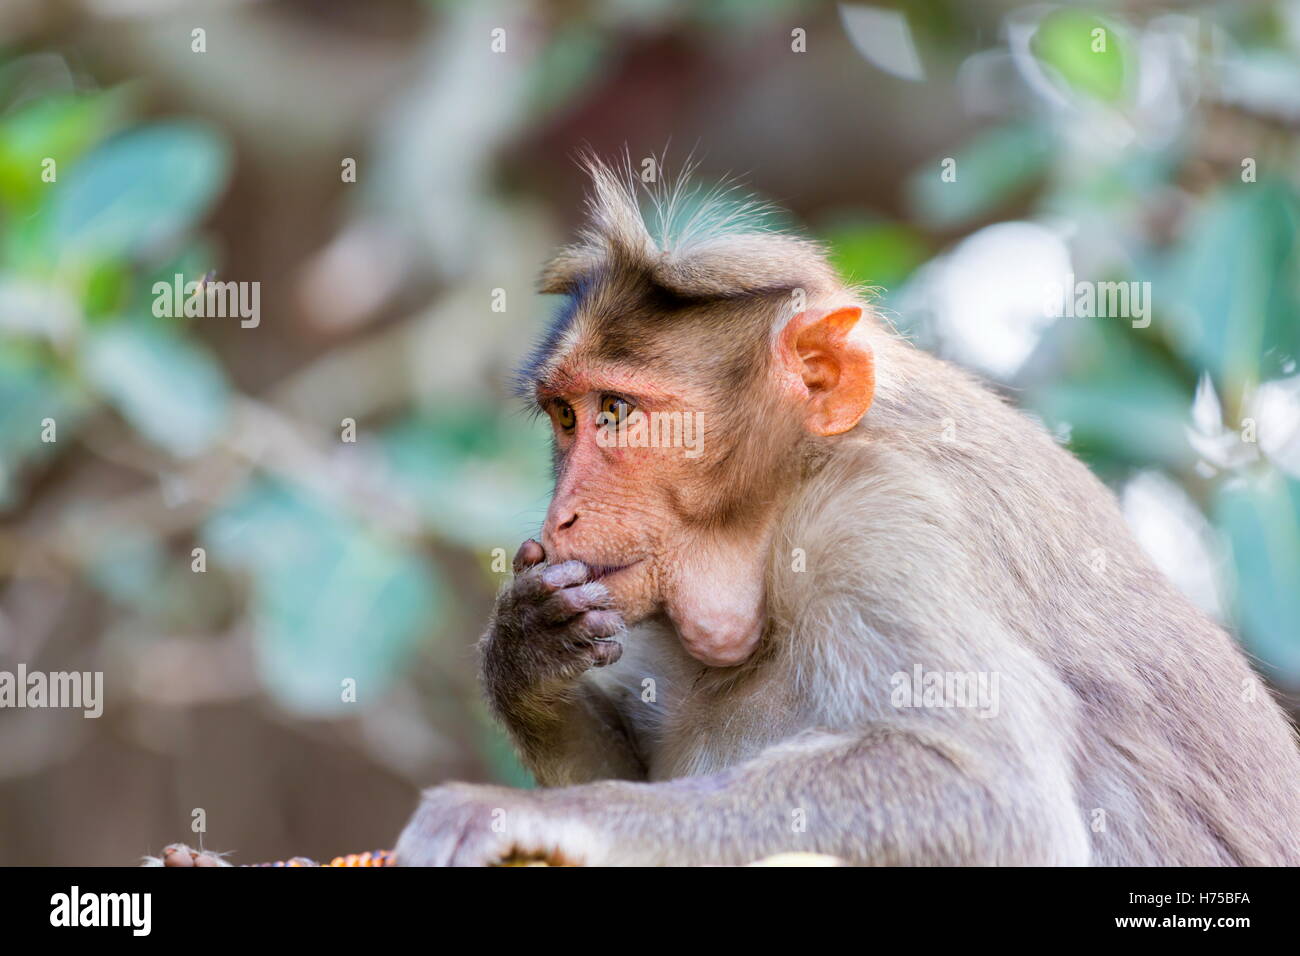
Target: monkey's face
(632,489)
(675,450)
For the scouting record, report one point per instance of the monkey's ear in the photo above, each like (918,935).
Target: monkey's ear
(834,373)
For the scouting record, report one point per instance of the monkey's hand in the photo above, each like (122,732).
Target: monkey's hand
(548,628)
(179,855)
(461,824)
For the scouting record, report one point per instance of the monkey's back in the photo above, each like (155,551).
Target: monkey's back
(1181,755)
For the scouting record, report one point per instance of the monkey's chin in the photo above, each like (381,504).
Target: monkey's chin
(718,641)
(631,592)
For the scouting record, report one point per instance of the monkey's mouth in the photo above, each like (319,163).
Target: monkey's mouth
(600,571)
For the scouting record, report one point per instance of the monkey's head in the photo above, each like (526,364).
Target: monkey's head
(685,381)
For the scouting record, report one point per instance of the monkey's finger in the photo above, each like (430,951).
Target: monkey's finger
(536,582)
(565,575)
(605,652)
(178,854)
(570,602)
(600,625)
(530,552)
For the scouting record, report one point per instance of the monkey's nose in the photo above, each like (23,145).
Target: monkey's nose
(568,523)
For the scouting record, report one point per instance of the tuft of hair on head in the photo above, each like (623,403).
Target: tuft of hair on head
(696,244)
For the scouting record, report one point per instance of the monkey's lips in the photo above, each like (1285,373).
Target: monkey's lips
(601,571)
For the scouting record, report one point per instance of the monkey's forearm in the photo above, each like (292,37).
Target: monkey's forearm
(575,738)
(886,798)
(565,731)
(550,626)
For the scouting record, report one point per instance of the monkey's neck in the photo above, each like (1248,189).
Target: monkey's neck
(717,601)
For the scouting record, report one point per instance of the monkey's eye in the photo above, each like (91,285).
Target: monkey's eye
(614,409)
(564,414)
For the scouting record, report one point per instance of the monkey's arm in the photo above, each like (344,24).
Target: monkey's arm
(548,629)
(577,738)
(884,796)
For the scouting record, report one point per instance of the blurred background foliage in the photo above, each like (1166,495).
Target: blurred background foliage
(1169,157)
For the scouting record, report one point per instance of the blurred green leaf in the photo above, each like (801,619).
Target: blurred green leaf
(170,391)
(24,248)
(331,599)
(565,65)
(192,261)
(1261,519)
(991,168)
(30,392)
(472,472)
(35,308)
(128,566)
(1230,287)
(1068,44)
(1122,402)
(57,127)
(139,191)
(107,287)
(878,253)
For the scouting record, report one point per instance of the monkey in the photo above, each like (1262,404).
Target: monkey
(876,613)
(710,660)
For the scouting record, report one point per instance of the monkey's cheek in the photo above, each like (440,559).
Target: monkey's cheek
(718,640)
(634,598)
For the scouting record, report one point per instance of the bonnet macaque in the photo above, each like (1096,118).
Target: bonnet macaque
(803,587)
